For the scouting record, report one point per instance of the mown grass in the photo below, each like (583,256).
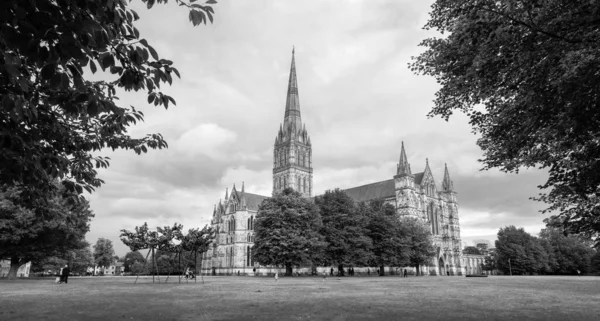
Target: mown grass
(304,298)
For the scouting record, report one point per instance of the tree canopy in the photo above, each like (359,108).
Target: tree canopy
(525,72)
(104,252)
(53,117)
(287,231)
(53,230)
(344,230)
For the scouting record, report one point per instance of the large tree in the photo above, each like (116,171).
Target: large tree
(569,252)
(344,230)
(132,258)
(286,231)
(390,245)
(104,252)
(53,117)
(55,229)
(525,72)
(525,252)
(420,242)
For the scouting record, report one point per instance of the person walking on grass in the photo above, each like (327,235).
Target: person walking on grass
(65,274)
(405,273)
(324,276)
(276,277)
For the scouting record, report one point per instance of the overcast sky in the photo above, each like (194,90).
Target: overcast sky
(358,99)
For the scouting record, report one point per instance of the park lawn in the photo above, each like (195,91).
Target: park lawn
(304,298)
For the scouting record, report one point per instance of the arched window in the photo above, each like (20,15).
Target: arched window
(299,185)
(284,182)
(252,222)
(247,255)
(233,222)
(304,185)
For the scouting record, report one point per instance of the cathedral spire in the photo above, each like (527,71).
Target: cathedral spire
(403,165)
(226,193)
(447,185)
(292,105)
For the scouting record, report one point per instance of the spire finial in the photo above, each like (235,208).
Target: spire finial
(242,186)
(447,184)
(293,50)
(226,193)
(292,117)
(403,165)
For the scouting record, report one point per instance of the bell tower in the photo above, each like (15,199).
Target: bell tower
(292,154)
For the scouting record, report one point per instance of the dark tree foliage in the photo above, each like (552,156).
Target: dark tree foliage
(569,253)
(471,250)
(53,118)
(53,230)
(389,239)
(526,254)
(131,258)
(525,72)
(286,231)
(344,230)
(420,241)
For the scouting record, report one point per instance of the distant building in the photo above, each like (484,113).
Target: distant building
(22,272)
(413,195)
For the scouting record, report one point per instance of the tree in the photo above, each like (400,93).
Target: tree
(53,230)
(286,231)
(104,252)
(471,250)
(53,117)
(344,230)
(81,259)
(525,74)
(595,262)
(389,244)
(525,252)
(420,243)
(132,258)
(569,252)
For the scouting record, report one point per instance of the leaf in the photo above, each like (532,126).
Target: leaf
(48,71)
(144,42)
(56,80)
(211,2)
(108,61)
(93,66)
(153,53)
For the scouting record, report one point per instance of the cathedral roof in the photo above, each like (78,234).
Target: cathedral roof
(254,200)
(373,191)
(419,178)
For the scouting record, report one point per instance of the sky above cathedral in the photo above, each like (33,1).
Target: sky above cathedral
(358,98)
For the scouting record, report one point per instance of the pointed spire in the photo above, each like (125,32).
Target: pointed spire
(226,193)
(215,210)
(447,184)
(403,165)
(292,104)
(242,186)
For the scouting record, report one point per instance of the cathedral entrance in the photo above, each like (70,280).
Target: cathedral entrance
(441,267)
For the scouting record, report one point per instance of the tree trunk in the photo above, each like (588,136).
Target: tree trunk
(381,270)
(288,269)
(15,263)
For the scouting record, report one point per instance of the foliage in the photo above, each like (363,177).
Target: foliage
(54,229)
(286,231)
(419,240)
(104,252)
(471,250)
(525,74)
(53,116)
(344,229)
(525,252)
(388,237)
(81,259)
(569,253)
(132,258)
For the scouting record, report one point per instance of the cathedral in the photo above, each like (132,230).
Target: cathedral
(415,195)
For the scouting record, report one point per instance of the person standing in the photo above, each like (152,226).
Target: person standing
(324,276)
(331,272)
(65,274)
(276,277)
(405,273)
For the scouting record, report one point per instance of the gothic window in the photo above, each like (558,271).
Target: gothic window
(252,222)
(247,255)
(304,185)
(299,186)
(233,222)
(284,182)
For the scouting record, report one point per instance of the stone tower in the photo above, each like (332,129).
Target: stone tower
(292,155)
(404,182)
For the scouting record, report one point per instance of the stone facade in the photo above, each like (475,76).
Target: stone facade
(415,195)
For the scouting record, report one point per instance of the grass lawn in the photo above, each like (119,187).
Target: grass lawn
(304,298)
